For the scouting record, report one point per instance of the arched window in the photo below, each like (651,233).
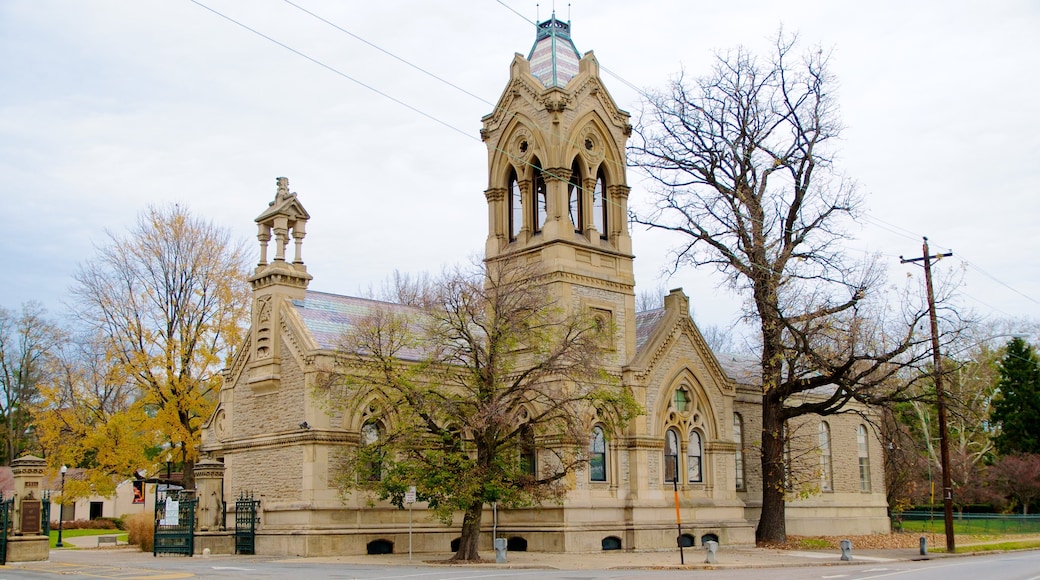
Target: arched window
(681,399)
(516,207)
(826,473)
(527,450)
(864,458)
(671,455)
(599,205)
(694,454)
(371,433)
(598,455)
(575,203)
(540,199)
(738,438)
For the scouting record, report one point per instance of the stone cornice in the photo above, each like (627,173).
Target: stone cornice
(643,442)
(288,439)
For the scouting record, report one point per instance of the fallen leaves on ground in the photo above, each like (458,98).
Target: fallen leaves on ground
(875,541)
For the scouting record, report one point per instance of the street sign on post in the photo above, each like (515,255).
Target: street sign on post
(409,498)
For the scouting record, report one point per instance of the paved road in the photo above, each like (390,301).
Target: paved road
(128,563)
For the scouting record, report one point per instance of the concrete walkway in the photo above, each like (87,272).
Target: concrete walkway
(693,558)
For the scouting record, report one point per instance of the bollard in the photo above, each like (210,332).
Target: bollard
(846,550)
(924,546)
(500,550)
(710,548)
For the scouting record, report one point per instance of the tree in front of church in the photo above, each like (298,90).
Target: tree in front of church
(89,416)
(486,389)
(169,300)
(744,163)
(1016,408)
(28,341)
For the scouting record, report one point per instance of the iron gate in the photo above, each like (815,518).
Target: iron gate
(45,513)
(6,507)
(174,521)
(245,523)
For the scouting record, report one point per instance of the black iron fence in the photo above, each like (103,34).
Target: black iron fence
(933,523)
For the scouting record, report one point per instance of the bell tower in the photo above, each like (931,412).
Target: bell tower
(557,189)
(275,282)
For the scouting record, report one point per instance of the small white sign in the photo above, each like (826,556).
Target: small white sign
(409,496)
(172,515)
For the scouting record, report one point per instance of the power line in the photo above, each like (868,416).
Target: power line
(336,71)
(877,222)
(388,53)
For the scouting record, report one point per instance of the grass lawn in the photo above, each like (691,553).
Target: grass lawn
(971,526)
(66,534)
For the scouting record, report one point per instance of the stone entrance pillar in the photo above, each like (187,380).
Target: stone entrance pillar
(209,481)
(27,545)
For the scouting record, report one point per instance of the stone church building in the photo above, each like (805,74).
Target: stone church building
(557,195)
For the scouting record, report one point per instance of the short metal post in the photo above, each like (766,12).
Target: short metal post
(924,546)
(500,550)
(846,550)
(710,548)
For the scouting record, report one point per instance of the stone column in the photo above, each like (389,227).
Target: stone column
(28,473)
(209,481)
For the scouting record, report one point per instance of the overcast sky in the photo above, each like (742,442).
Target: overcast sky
(108,106)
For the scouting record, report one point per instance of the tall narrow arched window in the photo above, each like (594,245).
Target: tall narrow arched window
(863,450)
(516,207)
(599,205)
(738,438)
(694,457)
(575,199)
(671,455)
(372,468)
(826,473)
(527,450)
(540,198)
(598,455)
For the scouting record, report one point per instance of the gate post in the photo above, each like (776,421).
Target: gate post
(26,543)
(209,481)
(28,473)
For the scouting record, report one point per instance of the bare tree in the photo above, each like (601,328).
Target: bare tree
(744,164)
(171,299)
(487,392)
(27,341)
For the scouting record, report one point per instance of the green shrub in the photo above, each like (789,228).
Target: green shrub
(101,524)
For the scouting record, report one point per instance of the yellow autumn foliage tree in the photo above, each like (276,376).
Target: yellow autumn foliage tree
(87,417)
(170,301)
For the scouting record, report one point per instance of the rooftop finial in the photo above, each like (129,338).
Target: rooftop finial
(283,190)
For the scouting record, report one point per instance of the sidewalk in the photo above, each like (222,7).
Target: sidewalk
(693,558)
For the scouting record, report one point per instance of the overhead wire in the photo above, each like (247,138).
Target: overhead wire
(335,70)
(877,222)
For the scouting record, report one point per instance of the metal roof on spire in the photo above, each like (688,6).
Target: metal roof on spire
(554,58)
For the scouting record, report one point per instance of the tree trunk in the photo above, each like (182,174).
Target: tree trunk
(469,543)
(772,525)
(188,475)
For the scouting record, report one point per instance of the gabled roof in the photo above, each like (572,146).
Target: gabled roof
(553,58)
(646,323)
(742,368)
(328,317)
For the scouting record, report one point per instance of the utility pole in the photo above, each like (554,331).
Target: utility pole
(940,396)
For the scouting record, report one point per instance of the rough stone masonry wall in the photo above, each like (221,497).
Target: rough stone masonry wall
(265,467)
